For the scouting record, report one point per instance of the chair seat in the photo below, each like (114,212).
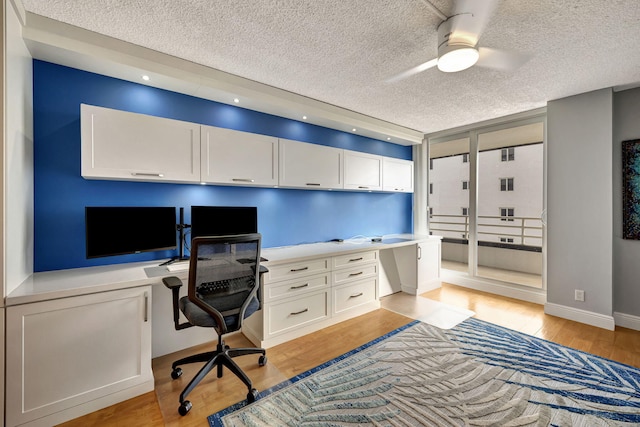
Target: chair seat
(198,317)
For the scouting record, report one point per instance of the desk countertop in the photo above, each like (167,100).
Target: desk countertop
(50,285)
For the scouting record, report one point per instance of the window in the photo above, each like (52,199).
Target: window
(465,158)
(506,240)
(506,214)
(508,154)
(465,211)
(465,185)
(506,184)
(431,188)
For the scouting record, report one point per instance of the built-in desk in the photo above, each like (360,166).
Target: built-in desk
(79,340)
(312,286)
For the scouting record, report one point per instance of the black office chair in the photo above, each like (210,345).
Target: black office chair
(224,279)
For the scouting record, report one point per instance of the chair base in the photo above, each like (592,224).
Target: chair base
(219,358)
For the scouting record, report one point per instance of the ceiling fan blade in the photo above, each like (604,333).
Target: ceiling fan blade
(500,59)
(470,18)
(415,70)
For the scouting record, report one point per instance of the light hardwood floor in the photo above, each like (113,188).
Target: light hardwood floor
(296,356)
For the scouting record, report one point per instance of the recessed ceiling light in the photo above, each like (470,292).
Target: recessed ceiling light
(354,129)
(304,117)
(236,100)
(145,77)
(388,139)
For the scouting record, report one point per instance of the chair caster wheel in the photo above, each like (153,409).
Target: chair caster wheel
(184,408)
(176,373)
(252,396)
(262,360)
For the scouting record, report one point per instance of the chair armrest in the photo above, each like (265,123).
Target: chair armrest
(172,282)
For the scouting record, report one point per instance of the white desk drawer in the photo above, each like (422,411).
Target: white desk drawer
(355,294)
(290,314)
(299,286)
(297,269)
(356,273)
(354,259)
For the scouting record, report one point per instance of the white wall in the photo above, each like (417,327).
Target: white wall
(18,155)
(626,253)
(579,210)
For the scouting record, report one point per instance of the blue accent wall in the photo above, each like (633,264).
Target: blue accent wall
(285,216)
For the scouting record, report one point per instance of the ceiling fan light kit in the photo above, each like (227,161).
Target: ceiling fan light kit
(456,57)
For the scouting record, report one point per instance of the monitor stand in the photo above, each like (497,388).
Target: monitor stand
(181,227)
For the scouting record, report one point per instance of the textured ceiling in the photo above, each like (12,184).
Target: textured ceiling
(342,51)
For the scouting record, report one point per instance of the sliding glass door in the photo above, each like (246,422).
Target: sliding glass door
(486,201)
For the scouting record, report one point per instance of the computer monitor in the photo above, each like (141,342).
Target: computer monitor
(223,220)
(129,230)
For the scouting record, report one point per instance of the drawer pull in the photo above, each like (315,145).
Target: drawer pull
(300,286)
(159,175)
(242,180)
(356,274)
(356,295)
(295,270)
(356,259)
(362,187)
(299,312)
(316,184)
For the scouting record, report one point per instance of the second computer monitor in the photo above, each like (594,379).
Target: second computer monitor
(223,220)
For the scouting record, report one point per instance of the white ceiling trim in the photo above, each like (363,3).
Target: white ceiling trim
(60,43)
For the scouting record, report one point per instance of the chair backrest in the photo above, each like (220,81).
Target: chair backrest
(224,277)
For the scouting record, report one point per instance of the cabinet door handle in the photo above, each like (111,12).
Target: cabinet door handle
(294,270)
(299,312)
(356,274)
(356,295)
(313,183)
(300,286)
(242,180)
(157,174)
(419,252)
(356,259)
(362,187)
(146,307)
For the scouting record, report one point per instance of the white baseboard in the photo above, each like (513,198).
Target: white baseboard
(537,296)
(583,316)
(627,320)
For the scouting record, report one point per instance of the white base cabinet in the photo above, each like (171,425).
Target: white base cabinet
(418,266)
(71,356)
(305,296)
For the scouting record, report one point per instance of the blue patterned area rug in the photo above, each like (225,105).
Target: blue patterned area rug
(476,374)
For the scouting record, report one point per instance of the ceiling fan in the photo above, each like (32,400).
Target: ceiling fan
(458,37)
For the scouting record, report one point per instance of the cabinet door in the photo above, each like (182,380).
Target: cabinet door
(310,166)
(362,171)
(64,356)
(127,146)
(428,266)
(232,157)
(397,175)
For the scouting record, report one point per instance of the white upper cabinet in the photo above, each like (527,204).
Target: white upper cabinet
(128,146)
(362,171)
(310,166)
(232,157)
(397,175)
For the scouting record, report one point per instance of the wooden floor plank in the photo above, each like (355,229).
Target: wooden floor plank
(296,356)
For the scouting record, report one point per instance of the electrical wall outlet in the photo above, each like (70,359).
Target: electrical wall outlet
(579,295)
